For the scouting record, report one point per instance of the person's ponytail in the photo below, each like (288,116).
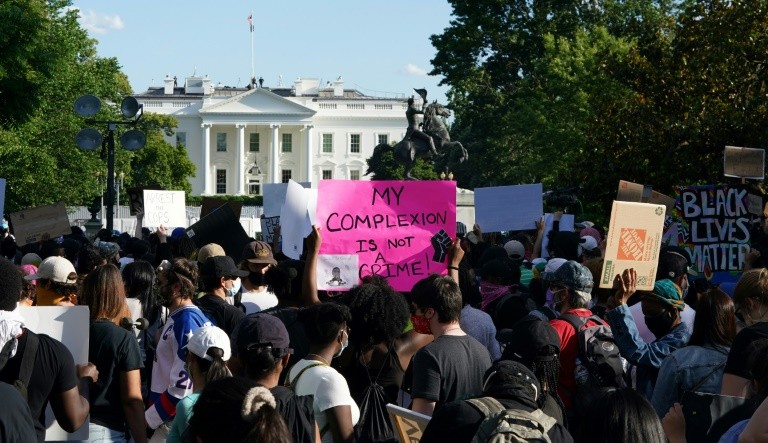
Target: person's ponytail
(267,425)
(215,369)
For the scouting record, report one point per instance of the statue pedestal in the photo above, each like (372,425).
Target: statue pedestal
(92,227)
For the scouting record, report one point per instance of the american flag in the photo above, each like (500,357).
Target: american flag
(250,21)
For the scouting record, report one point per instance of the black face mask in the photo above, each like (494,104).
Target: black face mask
(660,324)
(257,278)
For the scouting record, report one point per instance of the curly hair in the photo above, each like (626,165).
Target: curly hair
(379,313)
(185,272)
(323,322)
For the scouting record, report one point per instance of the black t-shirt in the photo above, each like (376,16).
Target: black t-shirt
(383,368)
(54,371)
(450,368)
(459,421)
(739,355)
(221,313)
(113,350)
(16,424)
(297,412)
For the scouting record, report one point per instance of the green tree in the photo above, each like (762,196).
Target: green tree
(159,162)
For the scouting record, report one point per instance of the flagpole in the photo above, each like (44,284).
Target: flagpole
(253,74)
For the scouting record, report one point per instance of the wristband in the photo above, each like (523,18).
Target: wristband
(455,268)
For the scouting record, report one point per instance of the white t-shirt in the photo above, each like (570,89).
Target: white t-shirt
(687,316)
(329,388)
(257,301)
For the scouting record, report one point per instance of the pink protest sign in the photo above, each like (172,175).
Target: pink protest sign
(400,230)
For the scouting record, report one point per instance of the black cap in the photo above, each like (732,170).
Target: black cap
(263,330)
(530,339)
(221,266)
(674,262)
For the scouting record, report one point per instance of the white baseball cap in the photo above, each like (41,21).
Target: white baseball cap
(206,337)
(56,269)
(515,249)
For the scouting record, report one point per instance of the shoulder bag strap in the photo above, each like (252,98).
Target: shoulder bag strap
(706,377)
(292,383)
(575,321)
(28,360)
(486,405)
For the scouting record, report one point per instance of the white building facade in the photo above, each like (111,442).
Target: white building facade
(240,138)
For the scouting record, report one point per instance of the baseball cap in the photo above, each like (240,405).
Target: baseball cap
(221,266)
(588,243)
(206,337)
(573,275)
(515,249)
(497,268)
(549,269)
(57,269)
(530,339)
(673,263)
(177,233)
(261,329)
(31,258)
(258,252)
(592,232)
(209,250)
(584,224)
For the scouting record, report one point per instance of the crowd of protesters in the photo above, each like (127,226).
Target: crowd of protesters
(514,340)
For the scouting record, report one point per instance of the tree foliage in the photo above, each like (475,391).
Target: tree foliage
(577,93)
(46,61)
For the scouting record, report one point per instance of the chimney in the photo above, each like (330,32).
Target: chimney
(338,87)
(168,85)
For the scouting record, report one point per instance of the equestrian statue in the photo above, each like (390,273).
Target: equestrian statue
(428,140)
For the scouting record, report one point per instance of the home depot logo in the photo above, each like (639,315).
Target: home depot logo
(631,244)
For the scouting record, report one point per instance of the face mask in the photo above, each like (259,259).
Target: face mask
(660,324)
(231,292)
(343,345)
(550,298)
(557,305)
(420,324)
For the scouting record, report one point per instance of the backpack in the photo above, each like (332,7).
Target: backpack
(510,425)
(599,354)
(27,361)
(374,424)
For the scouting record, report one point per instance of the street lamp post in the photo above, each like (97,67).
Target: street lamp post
(89,139)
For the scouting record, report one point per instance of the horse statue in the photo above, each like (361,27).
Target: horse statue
(410,148)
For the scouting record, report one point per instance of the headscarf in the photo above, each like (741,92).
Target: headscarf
(668,292)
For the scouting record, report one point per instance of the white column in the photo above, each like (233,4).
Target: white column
(206,158)
(274,160)
(310,152)
(240,158)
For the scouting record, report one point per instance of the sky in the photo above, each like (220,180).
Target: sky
(380,48)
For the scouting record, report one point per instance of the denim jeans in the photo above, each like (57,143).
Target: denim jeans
(102,434)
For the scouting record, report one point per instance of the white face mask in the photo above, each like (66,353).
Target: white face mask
(343,345)
(236,284)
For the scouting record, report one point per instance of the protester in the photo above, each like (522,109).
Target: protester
(662,308)
(452,366)
(237,410)
(218,276)
(335,410)
(255,296)
(263,349)
(208,350)
(499,290)
(56,282)
(28,296)
(514,387)
(170,379)
(699,366)
(49,368)
(621,415)
(116,401)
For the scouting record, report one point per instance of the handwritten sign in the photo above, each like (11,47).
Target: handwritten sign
(400,230)
(70,326)
(268,225)
(165,208)
(31,225)
(713,224)
(635,192)
(744,162)
(508,208)
(633,241)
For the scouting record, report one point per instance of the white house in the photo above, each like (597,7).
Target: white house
(239,138)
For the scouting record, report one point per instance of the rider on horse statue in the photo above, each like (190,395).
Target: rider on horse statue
(413,131)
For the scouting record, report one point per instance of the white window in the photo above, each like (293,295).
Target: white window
(327,174)
(221,141)
(221,181)
(354,174)
(354,143)
(287,142)
(327,143)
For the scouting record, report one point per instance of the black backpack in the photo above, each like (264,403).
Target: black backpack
(374,425)
(27,361)
(599,354)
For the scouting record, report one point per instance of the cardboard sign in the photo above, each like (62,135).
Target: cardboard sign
(70,325)
(408,425)
(268,228)
(136,198)
(744,162)
(210,204)
(223,228)
(400,230)
(508,208)
(29,226)
(167,208)
(713,223)
(634,192)
(566,224)
(633,241)
(274,197)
